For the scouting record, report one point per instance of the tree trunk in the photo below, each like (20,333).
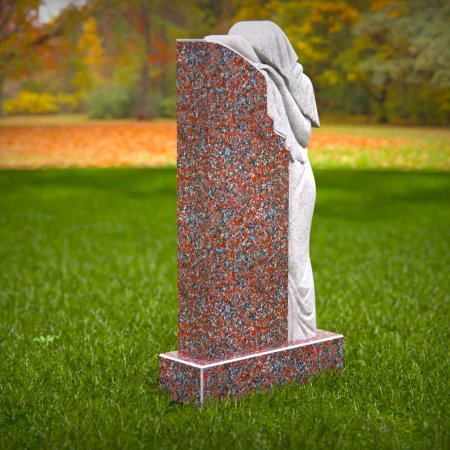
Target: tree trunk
(380,99)
(383,118)
(143,110)
(2,86)
(404,100)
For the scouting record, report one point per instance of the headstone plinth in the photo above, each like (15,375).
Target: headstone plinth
(233,215)
(194,380)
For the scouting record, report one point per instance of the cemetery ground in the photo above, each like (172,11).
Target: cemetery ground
(88,299)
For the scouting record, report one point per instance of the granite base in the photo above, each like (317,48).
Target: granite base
(195,381)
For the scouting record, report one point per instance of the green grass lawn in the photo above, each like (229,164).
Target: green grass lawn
(89,256)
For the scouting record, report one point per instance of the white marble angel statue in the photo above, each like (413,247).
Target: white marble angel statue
(292,106)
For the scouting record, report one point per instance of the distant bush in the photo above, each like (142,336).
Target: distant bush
(155,105)
(109,102)
(67,102)
(160,106)
(33,103)
(169,106)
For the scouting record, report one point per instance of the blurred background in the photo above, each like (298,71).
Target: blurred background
(68,62)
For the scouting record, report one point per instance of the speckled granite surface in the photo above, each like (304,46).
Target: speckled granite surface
(233,194)
(233,216)
(182,380)
(189,381)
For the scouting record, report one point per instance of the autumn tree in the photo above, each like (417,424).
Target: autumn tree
(318,31)
(22,37)
(400,45)
(356,50)
(90,58)
(147,30)
(388,57)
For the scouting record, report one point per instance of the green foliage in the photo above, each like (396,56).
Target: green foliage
(109,102)
(155,105)
(32,85)
(160,106)
(90,256)
(401,49)
(169,105)
(45,339)
(126,75)
(66,102)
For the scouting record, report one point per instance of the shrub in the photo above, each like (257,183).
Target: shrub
(155,105)
(170,107)
(67,102)
(109,102)
(33,103)
(160,106)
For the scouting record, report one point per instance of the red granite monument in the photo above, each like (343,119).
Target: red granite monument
(233,219)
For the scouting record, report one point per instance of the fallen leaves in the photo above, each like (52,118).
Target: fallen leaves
(153,144)
(333,141)
(149,144)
